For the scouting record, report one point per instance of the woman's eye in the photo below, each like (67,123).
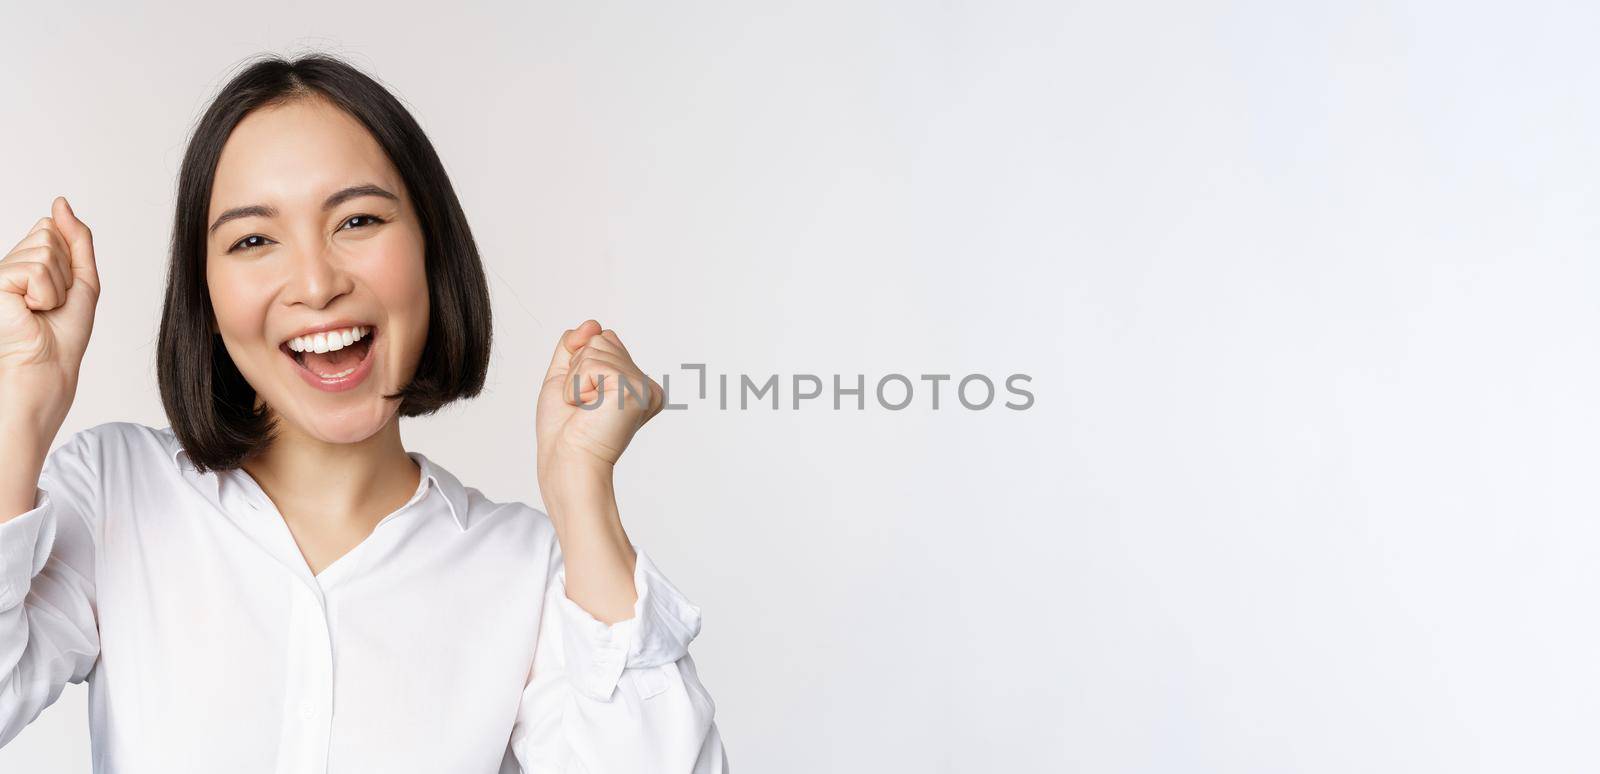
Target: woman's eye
(357,221)
(252,241)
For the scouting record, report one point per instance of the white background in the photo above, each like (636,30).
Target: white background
(1307,292)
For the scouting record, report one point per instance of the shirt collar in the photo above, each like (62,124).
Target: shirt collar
(455,495)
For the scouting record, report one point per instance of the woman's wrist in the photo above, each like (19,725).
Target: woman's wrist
(578,487)
(573,474)
(33,410)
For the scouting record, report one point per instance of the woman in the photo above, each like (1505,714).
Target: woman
(273,583)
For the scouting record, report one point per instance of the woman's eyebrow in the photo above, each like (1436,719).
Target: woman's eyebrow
(335,199)
(355,191)
(251,211)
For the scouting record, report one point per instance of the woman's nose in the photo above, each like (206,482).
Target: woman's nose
(317,276)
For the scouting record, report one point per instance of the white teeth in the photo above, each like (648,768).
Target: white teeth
(328,341)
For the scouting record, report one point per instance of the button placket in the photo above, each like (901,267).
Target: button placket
(308,701)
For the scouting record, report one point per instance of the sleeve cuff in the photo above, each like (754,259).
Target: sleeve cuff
(664,622)
(25,542)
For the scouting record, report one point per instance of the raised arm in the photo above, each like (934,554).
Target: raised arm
(48,290)
(49,287)
(613,688)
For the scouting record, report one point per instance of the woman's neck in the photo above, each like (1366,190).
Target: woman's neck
(336,483)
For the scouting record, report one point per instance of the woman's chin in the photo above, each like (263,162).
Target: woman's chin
(352,424)
(346,434)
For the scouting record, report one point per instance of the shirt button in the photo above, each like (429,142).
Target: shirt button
(308,710)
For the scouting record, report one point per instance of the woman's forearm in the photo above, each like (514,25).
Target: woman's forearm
(22,454)
(598,555)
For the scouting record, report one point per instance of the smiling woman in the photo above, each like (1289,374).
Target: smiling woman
(274,583)
(307,186)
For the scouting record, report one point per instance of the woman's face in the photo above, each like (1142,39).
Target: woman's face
(311,227)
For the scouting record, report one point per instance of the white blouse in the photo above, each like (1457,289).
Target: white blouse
(209,645)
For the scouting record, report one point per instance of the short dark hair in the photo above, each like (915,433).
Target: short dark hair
(208,401)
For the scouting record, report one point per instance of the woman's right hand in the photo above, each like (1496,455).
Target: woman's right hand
(48,290)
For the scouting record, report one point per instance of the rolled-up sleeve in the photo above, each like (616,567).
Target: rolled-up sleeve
(49,634)
(621,697)
(25,542)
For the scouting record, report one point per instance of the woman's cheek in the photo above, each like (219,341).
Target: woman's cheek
(238,309)
(398,277)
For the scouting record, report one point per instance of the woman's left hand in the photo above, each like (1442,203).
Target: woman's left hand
(583,435)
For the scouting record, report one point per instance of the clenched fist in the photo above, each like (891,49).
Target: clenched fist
(48,290)
(593,400)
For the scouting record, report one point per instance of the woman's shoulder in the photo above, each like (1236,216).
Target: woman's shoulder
(477,512)
(109,462)
(121,442)
(134,446)
(511,521)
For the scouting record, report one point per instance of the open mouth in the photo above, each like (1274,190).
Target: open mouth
(332,357)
